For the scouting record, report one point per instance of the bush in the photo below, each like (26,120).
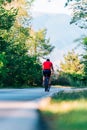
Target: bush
(61,79)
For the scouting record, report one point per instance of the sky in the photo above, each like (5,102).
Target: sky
(50,6)
(63,32)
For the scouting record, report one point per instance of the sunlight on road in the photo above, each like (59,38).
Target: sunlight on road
(7,104)
(16,113)
(17,109)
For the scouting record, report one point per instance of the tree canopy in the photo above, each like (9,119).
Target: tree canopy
(18,66)
(79,12)
(72,63)
(79,17)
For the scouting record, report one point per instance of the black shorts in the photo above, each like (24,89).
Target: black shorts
(47,73)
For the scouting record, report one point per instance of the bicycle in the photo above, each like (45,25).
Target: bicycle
(46,83)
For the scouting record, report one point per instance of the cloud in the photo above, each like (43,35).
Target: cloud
(55,6)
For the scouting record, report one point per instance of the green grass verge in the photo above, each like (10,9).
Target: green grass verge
(74,120)
(75,116)
(62,96)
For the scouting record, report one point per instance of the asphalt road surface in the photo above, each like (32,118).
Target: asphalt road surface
(18,108)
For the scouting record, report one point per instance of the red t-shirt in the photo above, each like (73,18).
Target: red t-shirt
(47,65)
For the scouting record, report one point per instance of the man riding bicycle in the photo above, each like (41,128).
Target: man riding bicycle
(47,67)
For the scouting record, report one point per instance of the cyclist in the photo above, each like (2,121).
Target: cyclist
(47,67)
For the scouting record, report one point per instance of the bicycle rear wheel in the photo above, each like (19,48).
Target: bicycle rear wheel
(46,83)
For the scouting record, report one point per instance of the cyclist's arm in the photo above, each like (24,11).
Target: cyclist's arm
(52,68)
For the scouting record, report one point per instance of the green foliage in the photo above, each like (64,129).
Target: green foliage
(84,60)
(72,64)
(18,66)
(62,96)
(3,63)
(85,42)
(3,1)
(38,44)
(79,12)
(7,18)
(79,9)
(69,112)
(71,71)
(61,79)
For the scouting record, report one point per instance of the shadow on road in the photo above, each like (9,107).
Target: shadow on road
(42,125)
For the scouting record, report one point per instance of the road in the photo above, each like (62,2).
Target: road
(18,108)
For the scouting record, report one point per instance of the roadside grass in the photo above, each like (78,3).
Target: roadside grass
(66,111)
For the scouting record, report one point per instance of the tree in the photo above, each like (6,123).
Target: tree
(71,70)
(17,66)
(7,17)
(79,12)
(13,51)
(38,44)
(71,64)
(84,60)
(79,17)
(23,16)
